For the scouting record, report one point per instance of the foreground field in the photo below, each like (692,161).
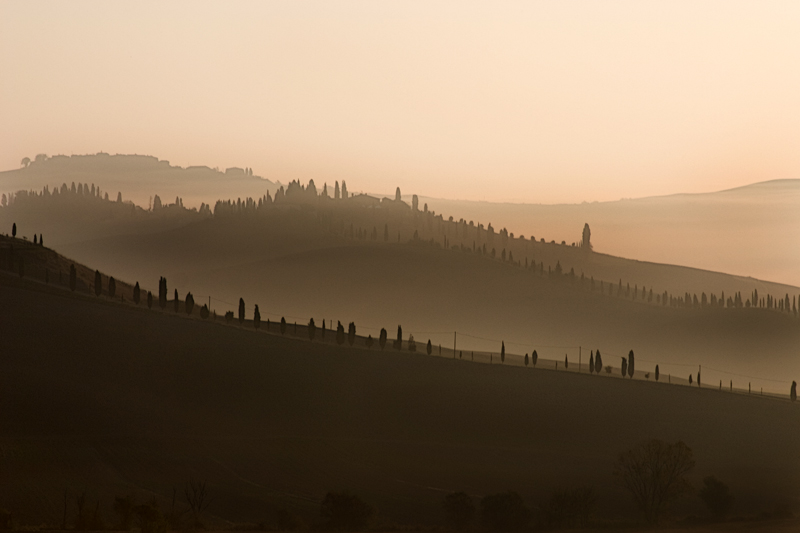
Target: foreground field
(109,399)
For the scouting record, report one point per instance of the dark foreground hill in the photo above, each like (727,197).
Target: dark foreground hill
(110,399)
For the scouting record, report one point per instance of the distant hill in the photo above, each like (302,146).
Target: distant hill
(116,400)
(747,231)
(138,177)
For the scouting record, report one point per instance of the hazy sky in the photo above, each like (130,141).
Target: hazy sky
(522,101)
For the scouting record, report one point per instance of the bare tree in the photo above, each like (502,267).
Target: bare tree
(654,473)
(197,498)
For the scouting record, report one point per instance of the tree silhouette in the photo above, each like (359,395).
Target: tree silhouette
(534,358)
(398,343)
(112,287)
(630,364)
(176,301)
(698,378)
(25,162)
(382,338)
(342,511)
(690,379)
(586,238)
(717,497)
(241,310)
(283,325)
(228,316)
(459,510)
(14,230)
(397,196)
(369,342)
(654,473)
(35,239)
(137,296)
(412,344)
(504,512)
(98,283)
(526,360)
(793,391)
(657,373)
(188,305)
(591,363)
(598,361)
(502,352)
(351,333)
(312,329)
(566,361)
(73,278)
(204,311)
(429,347)
(162,292)
(339,334)
(149,300)
(624,367)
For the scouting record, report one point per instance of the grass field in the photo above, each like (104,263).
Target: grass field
(109,399)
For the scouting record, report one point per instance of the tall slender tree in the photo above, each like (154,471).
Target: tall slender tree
(149,300)
(312,329)
(283,325)
(630,364)
(657,373)
(351,331)
(503,352)
(256,317)
(176,301)
(98,283)
(429,348)
(624,367)
(598,361)
(534,358)
(398,344)
(137,293)
(792,391)
(591,363)
(188,305)
(382,338)
(241,310)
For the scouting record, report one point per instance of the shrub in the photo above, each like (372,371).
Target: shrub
(504,512)
(717,497)
(204,311)
(228,316)
(459,510)
(345,511)
(570,508)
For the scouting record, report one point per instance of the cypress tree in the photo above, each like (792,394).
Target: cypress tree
(112,287)
(137,296)
(690,379)
(398,343)
(162,292)
(73,278)
(176,301)
(189,304)
(598,362)
(204,312)
(526,359)
(369,342)
(630,364)
(792,391)
(323,329)
(35,239)
(382,338)
(503,352)
(14,230)
(566,361)
(534,358)
(283,325)
(339,334)
(149,300)
(624,367)
(98,283)
(591,363)
(657,373)
(241,310)
(429,348)
(351,333)
(698,378)
(312,329)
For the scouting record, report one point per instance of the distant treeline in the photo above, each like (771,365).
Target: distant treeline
(361,217)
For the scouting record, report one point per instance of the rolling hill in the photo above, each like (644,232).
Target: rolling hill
(117,399)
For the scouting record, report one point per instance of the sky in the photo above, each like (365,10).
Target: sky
(543,102)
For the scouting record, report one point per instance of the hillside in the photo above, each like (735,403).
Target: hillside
(303,255)
(744,231)
(120,400)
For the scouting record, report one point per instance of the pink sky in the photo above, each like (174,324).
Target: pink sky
(521,101)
